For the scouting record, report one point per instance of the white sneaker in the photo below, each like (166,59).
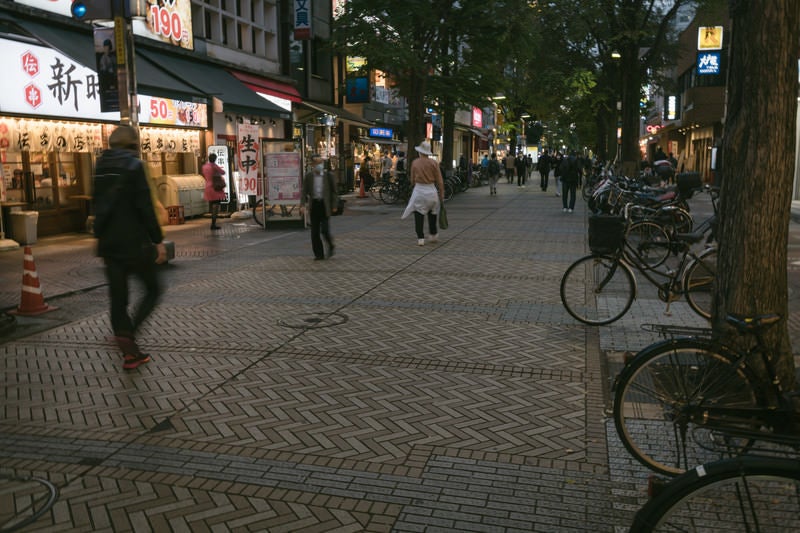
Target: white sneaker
(570,210)
(564,210)
(420,242)
(433,238)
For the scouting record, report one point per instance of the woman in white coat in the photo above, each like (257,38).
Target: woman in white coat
(428,193)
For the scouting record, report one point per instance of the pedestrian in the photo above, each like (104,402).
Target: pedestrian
(519,165)
(544,170)
(129,238)
(365,174)
(213,196)
(511,164)
(386,166)
(494,174)
(427,195)
(555,164)
(400,164)
(570,178)
(319,197)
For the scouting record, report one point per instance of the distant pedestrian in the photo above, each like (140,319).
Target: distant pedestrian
(211,195)
(521,171)
(511,165)
(129,238)
(427,195)
(544,170)
(365,173)
(570,178)
(493,169)
(386,166)
(319,197)
(555,164)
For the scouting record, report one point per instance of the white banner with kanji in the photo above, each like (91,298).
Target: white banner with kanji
(248,158)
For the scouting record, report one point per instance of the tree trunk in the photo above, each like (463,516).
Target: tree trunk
(448,130)
(416,114)
(758,154)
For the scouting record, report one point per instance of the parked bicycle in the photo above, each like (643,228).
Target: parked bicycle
(682,402)
(758,494)
(271,210)
(600,288)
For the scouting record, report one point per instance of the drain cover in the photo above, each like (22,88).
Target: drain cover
(314,320)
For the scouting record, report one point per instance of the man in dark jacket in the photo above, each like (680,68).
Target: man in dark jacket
(570,178)
(129,238)
(320,198)
(544,170)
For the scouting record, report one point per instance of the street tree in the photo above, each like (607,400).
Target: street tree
(758,156)
(437,53)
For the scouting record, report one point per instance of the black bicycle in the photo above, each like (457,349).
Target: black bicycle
(687,401)
(600,288)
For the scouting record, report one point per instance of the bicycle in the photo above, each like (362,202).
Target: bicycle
(259,211)
(678,402)
(600,288)
(396,189)
(741,494)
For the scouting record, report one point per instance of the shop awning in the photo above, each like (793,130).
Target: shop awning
(378,140)
(260,84)
(216,82)
(80,47)
(340,113)
(478,133)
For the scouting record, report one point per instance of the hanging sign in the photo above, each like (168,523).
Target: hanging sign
(709,38)
(248,154)
(302,20)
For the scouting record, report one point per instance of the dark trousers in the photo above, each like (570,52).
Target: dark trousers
(419,221)
(118,271)
(568,189)
(213,206)
(319,229)
(544,178)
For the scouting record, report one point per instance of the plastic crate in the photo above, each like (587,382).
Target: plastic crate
(606,233)
(175,215)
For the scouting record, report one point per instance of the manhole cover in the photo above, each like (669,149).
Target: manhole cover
(314,320)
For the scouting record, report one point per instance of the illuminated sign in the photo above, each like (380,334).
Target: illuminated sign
(672,107)
(653,128)
(708,63)
(477,118)
(383,133)
(41,81)
(709,38)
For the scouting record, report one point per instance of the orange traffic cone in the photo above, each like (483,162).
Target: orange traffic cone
(361,192)
(32,301)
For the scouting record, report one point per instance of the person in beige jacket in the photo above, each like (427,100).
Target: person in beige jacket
(428,193)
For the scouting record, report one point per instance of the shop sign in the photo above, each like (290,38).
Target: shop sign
(169,141)
(302,19)
(248,153)
(168,21)
(708,63)
(283,177)
(24,135)
(383,133)
(709,38)
(477,118)
(41,81)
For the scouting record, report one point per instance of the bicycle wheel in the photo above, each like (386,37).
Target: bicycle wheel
(698,282)
(597,289)
(648,244)
(449,190)
(390,193)
(662,395)
(742,494)
(258,212)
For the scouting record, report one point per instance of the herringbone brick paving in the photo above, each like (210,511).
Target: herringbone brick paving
(391,388)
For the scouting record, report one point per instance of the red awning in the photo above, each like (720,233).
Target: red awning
(267,86)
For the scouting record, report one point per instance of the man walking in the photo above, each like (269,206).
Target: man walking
(129,238)
(544,170)
(320,198)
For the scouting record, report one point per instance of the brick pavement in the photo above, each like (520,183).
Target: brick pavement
(392,388)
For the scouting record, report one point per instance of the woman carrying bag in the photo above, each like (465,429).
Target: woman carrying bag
(428,193)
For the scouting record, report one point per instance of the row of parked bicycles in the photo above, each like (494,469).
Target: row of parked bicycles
(391,189)
(712,416)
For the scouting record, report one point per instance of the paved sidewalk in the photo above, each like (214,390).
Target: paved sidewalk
(391,388)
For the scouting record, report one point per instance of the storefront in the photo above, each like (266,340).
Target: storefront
(52,128)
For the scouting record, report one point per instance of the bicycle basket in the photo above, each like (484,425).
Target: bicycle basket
(606,233)
(687,183)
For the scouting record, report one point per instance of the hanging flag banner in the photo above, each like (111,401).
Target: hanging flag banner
(302,19)
(106,61)
(248,155)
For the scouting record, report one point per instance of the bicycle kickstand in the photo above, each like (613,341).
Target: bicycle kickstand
(667,312)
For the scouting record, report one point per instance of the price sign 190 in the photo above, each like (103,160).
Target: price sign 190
(166,22)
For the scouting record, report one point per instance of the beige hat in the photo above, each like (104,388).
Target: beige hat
(424,148)
(124,137)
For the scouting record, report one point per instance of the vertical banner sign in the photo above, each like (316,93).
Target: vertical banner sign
(222,160)
(283,177)
(302,20)
(2,187)
(248,153)
(106,60)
